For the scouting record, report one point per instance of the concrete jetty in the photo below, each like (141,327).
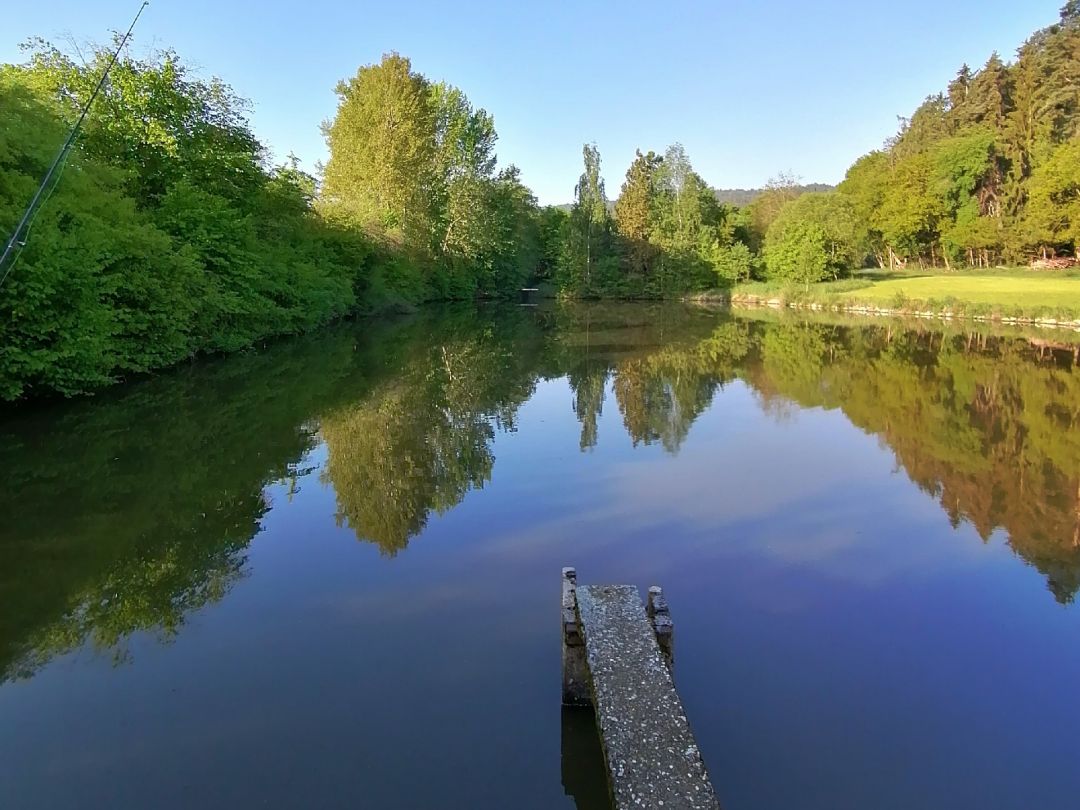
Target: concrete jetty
(618,656)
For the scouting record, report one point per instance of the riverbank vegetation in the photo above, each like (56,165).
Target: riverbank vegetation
(170,233)
(167,234)
(983,174)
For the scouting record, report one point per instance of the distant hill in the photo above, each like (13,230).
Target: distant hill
(745,196)
(568,207)
(732,196)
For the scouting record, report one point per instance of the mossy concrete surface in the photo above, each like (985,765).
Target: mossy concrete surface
(652,758)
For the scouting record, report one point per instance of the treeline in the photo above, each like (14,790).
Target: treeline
(665,236)
(169,234)
(166,235)
(985,173)
(744,196)
(668,235)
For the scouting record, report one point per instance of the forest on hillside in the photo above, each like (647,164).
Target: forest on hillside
(984,173)
(170,233)
(744,196)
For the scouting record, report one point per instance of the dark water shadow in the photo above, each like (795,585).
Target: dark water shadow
(584,775)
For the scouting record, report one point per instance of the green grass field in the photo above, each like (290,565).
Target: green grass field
(1005,292)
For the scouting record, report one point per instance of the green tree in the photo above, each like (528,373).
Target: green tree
(588,261)
(865,186)
(732,263)
(690,228)
(634,210)
(463,194)
(680,189)
(553,231)
(98,290)
(967,181)
(766,207)
(382,150)
(1053,210)
(517,242)
(814,238)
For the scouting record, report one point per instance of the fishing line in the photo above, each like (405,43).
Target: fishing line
(15,245)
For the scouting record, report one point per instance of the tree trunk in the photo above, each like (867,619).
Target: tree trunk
(1076,532)
(588,251)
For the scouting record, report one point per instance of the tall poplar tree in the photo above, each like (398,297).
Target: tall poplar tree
(633,211)
(464,164)
(590,225)
(382,149)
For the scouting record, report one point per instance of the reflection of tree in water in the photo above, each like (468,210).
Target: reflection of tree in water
(128,513)
(641,349)
(144,595)
(395,460)
(988,426)
(419,443)
(662,394)
(588,387)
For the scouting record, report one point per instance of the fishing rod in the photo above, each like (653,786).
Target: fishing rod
(61,156)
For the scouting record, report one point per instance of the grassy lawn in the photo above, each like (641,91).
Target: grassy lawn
(1005,291)
(1018,292)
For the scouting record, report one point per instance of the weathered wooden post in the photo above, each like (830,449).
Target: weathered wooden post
(660,615)
(575,678)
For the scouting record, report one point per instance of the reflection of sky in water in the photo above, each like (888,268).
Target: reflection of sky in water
(839,644)
(806,490)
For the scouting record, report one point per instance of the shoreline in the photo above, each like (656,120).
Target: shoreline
(748,301)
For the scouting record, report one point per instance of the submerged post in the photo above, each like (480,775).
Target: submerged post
(575,679)
(660,615)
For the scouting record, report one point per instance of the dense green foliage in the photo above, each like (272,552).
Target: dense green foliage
(169,234)
(986,172)
(813,238)
(166,235)
(413,166)
(665,236)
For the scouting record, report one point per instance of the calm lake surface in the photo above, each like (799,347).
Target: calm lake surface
(326,573)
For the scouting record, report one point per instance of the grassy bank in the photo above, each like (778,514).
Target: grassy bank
(1005,295)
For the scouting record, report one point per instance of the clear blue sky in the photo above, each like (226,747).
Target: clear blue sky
(750,88)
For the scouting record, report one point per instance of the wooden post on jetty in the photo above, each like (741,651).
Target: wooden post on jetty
(618,657)
(660,615)
(575,675)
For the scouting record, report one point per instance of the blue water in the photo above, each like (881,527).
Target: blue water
(841,640)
